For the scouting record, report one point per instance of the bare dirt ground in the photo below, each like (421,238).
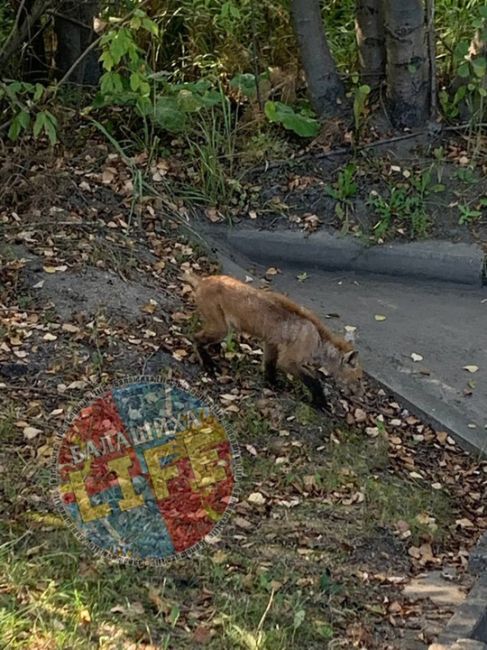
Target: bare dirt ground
(438,180)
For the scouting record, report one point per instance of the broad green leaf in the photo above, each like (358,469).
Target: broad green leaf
(461,50)
(39,123)
(39,91)
(107,60)
(51,118)
(135,81)
(363,90)
(244,82)
(168,115)
(144,88)
(297,122)
(479,66)
(15,128)
(24,119)
(188,101)
(304,126)
(50,130)
(150,26)
(120,45)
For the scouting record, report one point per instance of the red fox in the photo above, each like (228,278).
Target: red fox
(294,338)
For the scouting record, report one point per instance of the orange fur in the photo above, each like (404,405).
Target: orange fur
(294,337)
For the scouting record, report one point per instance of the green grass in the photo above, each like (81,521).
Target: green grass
(269,588)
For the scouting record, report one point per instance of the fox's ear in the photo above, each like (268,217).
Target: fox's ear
(351,358)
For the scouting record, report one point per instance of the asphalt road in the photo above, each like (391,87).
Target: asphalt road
(445,324)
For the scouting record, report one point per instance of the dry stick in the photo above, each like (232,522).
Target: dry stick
(264,615)
(39,7)
(346,150)
(337,152)
(430,14)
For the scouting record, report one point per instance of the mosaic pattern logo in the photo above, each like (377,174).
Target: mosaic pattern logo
(146,472)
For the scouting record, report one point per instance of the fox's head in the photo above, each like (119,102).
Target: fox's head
(349,374)
(344,366)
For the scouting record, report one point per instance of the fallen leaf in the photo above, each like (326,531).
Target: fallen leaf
(471,368)
(84,617)
(251,449)
(49,337)
(241,522)
(55,269)
(360,415)
(213,215)
(373,432)
(202,635)
(379,317)
(464,523)
(414,552)
(441,436)
(69,327)
(257,498)
(31,432)
(150,307)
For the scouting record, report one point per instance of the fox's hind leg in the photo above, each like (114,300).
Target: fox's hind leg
(270,363)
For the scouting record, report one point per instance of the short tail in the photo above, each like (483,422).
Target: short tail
(192,279)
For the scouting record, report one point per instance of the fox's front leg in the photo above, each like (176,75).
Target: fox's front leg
(270,363)
(315,387)
(309,379)
(203,338)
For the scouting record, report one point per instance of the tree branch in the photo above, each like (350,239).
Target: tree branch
(20,33)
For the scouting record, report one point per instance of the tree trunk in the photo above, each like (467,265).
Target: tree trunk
(325,88)
(407,69)
(74,31)
(369,31)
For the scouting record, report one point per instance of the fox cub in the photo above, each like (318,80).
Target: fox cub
(294,338)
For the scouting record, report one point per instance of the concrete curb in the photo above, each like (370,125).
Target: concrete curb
(427,260)
(470,618)
(467,629)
